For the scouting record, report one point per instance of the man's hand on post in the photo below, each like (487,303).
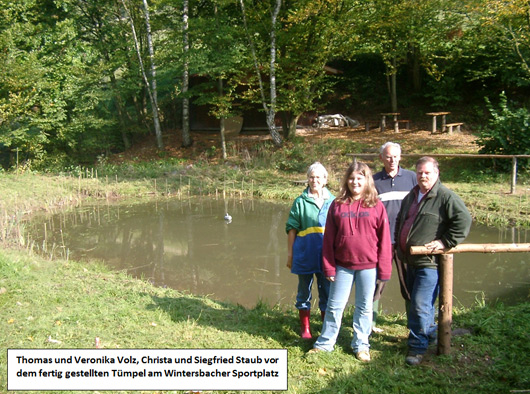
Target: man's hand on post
(435,245)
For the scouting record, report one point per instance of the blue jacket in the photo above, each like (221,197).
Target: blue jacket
(309,221)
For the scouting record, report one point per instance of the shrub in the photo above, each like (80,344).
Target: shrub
(507,131)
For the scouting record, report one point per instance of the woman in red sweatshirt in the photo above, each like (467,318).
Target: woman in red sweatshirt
(357,249)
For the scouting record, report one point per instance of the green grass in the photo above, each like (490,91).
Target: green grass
(74,302)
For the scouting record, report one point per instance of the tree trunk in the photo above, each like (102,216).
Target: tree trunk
(416,69)
(120,111)
(270,110)
(154,91)
(277,139)
(393,93)
(154,104)
(222,122)
(186,138)
(290,121)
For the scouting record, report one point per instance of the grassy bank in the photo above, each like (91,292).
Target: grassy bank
(66,304)
(487,196)
(59,304)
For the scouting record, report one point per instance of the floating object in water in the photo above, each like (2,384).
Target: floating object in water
(228,217)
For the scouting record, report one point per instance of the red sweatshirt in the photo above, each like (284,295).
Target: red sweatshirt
(357,238)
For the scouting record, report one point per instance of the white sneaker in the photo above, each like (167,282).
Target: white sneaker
(363,355)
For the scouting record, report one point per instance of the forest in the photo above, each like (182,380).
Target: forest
(84,79)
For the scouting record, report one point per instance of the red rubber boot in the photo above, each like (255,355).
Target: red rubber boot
(304,323)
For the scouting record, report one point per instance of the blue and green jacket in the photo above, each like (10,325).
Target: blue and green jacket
(309,221)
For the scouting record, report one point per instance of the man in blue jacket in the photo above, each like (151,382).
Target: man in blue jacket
(433,216)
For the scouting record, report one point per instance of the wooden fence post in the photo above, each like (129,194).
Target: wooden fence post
(445,303)
(445,280)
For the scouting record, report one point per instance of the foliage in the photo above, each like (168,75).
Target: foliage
(486,50)
(510,25)
(407,33)
(71,89)
(507,130)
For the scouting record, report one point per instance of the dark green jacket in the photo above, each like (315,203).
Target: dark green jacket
(442,215)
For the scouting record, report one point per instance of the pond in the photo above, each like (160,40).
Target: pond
(189,246)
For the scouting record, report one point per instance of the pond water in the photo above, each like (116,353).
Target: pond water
(189,246)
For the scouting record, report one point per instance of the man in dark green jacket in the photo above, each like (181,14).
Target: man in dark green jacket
(433,216)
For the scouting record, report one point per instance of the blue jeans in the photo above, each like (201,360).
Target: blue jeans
(422,284)
(303,297)
(339,293)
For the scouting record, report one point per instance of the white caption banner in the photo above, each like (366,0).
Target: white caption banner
(147,369)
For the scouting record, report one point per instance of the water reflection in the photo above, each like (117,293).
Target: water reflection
(190,246)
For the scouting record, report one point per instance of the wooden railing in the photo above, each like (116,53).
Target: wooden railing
(445,269)
(463,155)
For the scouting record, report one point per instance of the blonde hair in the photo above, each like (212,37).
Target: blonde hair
(369,194)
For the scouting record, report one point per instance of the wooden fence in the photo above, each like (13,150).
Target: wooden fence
(463,155)
(445,268)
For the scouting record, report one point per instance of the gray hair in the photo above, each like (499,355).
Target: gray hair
(390,144)
(317,166)
(428,159)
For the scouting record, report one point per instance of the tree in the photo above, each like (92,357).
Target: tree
(403,30)
(49,95)
(186,139)
(218,58)
(309,34)
(270,108)
(312,34)
(150,86)
(505,27)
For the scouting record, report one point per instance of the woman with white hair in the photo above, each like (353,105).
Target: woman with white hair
(305,233)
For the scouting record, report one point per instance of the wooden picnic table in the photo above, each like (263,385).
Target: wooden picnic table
(434,115)
(395,118)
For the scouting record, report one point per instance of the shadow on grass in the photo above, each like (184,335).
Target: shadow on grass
(260,321)
(477,362)
(275,324)
(481,359)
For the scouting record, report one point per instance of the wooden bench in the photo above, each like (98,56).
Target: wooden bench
(304,182)
(450,126)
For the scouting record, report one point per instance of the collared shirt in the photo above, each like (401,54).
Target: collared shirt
(319,201)
(392,191)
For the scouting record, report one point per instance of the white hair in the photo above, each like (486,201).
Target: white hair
(390,144)
(317,167)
